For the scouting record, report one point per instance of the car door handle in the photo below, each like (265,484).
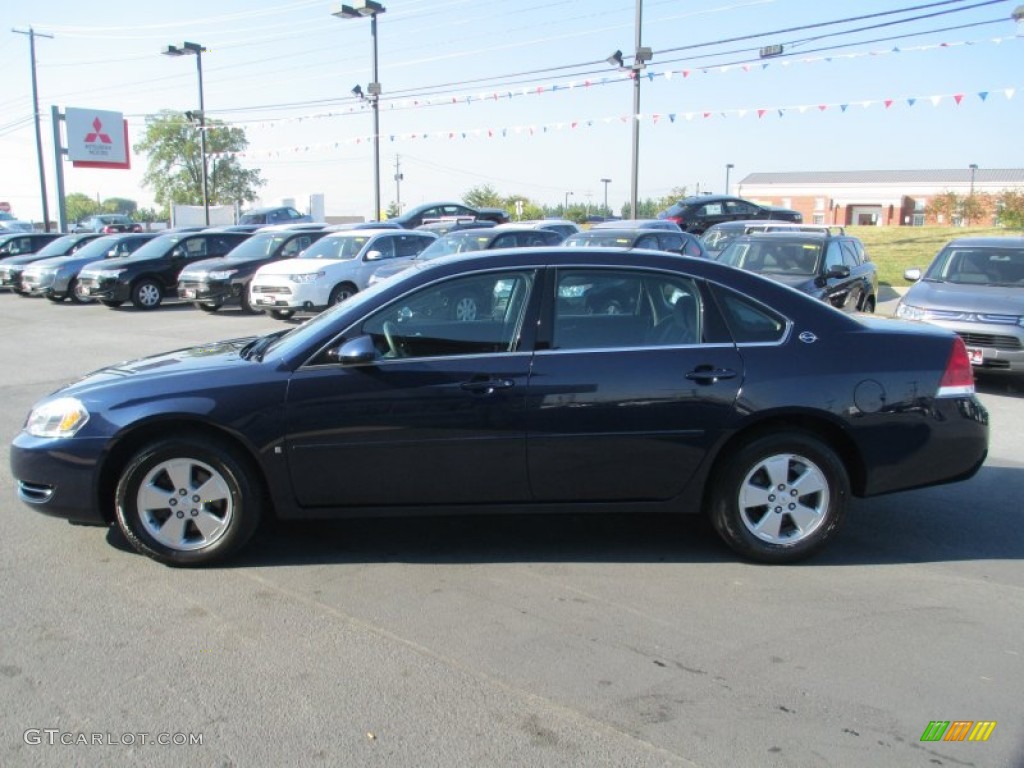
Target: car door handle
(706,374)
(487,386)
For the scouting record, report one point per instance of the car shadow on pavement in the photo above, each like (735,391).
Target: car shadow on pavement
(971,521)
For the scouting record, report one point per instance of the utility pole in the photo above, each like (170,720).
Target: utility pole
(398,183)
(32,34)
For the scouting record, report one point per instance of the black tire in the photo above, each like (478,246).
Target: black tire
(147,294)
(342,292)
(281,314)
(56,299)
(206,307)
(243,301)
(76,295)
(205,513)
(111,302)
(779,498)
(869,304)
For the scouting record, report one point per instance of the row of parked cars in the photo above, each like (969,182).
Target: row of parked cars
(305,267)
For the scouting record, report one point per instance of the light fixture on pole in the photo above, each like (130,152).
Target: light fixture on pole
(566,209)
(728,167)
(194,49)
(640,59)
(606,182)
(357,10)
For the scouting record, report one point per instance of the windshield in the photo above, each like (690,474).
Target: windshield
(773,257)
(5,216)
(261,246)
(58,247)
(980,265)
(157,247)
(338,247)
(454,243)
(95,249)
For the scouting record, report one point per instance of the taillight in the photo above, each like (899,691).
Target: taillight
(107,230)
(677,219)
(958,378)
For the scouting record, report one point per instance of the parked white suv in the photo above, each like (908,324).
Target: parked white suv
(333,268)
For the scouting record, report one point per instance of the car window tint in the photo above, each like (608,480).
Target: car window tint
(834,255)
(850,257)
(670,242)
(647,241)
(748,321)
(505,241)
(473,315)
(604,309)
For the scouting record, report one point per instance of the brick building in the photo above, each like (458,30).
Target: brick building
(881,198)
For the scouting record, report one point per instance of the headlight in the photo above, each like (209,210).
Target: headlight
(308,277)
(908,312)
(109,274)
(62,417)
(224,274)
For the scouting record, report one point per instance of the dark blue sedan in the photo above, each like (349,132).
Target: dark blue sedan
(711,390)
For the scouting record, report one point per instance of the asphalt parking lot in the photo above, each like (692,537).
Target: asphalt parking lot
(502,642)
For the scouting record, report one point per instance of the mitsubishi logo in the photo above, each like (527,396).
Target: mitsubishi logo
(103,138)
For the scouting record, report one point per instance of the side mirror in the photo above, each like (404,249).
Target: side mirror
(912,275)
(355,351)
(374,255)
(838,270)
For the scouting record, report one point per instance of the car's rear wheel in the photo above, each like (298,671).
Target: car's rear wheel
(146,294)
(56,299)
(281,314)
(868,305)
(78,294)
(780,497)
(111,302)
(188,501)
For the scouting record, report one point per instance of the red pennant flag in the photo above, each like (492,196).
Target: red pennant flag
(573,123)
(707,114)
(958,98)
(823,107)
(686,73)
(760,112)
(888,103)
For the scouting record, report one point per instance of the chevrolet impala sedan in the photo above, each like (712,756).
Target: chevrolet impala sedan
(711,391)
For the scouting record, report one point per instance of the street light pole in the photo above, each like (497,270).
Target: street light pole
(372,9)
(566,208)
(638,65)
(970,197)
(32,35)
(728,167)
(606,182)
(194,49)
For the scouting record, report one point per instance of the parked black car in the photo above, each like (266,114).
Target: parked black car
(151,273)
(439,211)
(107,224)
(57,278)
(20,243)
(12,267)
(211,283)
(720,392)
(717,236)
(281,214)
(696,214)
(833,268)
(682,243)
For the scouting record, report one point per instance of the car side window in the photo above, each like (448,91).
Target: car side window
(738,208)
(385,245)
(850,255)
(409,245)
(647,241)
(671,242)
(748,321)
(505,241)
(470,315)
(608,309)
(834,255)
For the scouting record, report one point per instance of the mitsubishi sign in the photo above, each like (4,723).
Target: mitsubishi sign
(97,139)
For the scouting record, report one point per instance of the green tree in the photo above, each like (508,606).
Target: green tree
(944,207)
(79,206)
(120,205)
(1010,209)
(484,196)
(393,210)
(175,170)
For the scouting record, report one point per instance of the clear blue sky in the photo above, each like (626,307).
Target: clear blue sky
(284,72)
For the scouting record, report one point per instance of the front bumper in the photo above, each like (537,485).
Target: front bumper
(286,295)
(208,291)
(59,477)
(105,288)
(993,348)
(10,279)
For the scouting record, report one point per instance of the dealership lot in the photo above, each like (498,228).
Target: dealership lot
(513,641)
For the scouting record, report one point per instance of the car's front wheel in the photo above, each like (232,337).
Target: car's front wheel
(146,294)
(78,294)
(342,292)
(207,307)
(188,501)
(111,302)
(780,497)
(282,314)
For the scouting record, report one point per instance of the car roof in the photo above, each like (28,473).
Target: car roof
(1014,241)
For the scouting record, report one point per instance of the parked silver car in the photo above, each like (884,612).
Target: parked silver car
(975,287)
